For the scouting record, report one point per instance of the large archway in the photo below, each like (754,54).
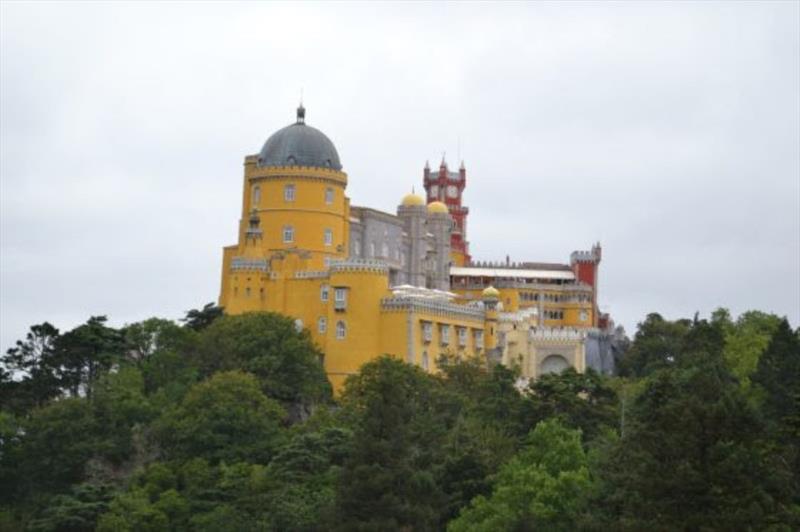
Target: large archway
(553,364)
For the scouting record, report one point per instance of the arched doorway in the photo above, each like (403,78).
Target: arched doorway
(553,364)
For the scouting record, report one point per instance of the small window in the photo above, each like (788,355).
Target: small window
(462,336)
(444,334)
(478,339)
(256,195)
(385,250)
(427,331)
(425,360)
(324,290)
(247,292)
(328,238)
(322,324)
(340,298)
(288,234)
(341,330)
(372,249)
(329,195)
(356,248)
(288,193)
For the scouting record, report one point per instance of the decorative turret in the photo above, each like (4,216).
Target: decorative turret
(447,187)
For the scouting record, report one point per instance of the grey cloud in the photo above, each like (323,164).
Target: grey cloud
(668,131)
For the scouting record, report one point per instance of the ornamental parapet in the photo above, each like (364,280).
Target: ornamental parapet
(558,333)
(432,306)
(249,263)
(504,283)
(436,308)
(311,274)
(360,265)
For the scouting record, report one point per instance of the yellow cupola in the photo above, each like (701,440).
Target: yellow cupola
(437,207)
(490,292)
(412,200)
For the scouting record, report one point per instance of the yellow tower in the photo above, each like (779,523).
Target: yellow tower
(295,216)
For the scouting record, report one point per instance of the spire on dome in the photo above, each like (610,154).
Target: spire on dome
(301,114)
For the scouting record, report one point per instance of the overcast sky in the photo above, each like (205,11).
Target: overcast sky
(669,132)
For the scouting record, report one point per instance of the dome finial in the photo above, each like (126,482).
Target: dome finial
(301,114)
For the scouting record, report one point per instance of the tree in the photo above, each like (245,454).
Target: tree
(197,320)
(76,511)
(225,418)
(388,481)
(581,400)
(285,361)
(87,352)
(690,458)
(657,344)
(154,335)
(29,374)
(745,340)
(543,488)
(58,441)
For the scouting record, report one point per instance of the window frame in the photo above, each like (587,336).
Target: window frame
(288,230)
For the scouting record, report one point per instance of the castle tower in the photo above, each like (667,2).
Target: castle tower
(448,187)
(585,266)
(295,216)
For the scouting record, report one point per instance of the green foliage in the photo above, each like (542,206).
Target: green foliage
(119,407)
(197,320)
(86,353)
(267,345)
(58,441)
(113,430)
(690,457)
(76,511)
(658,343)
(581,400)
(225,418)
(745,340)
(33,362)
(542,488)
(388,480)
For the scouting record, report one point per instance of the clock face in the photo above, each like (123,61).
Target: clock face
(452,191)
(435,191)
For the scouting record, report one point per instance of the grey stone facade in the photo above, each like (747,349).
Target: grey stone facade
(414,243)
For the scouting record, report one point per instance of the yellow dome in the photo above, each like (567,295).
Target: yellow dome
(491,292)
(412,200)
(437,207)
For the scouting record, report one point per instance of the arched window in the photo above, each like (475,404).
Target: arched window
(328,237)
(372,249)
(324,291)
(329,195)
(341,330)
(256,195)
(322,324)
(288,234)
(385,250)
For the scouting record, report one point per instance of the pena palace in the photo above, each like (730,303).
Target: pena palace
(366,282)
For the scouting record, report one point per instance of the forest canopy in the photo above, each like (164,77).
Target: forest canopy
(229,423)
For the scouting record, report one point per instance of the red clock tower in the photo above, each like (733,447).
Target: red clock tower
(448,187)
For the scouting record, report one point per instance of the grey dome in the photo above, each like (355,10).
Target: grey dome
(299,145)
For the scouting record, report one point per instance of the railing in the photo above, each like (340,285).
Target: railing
(433,306)
(249,263)
(356,264)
